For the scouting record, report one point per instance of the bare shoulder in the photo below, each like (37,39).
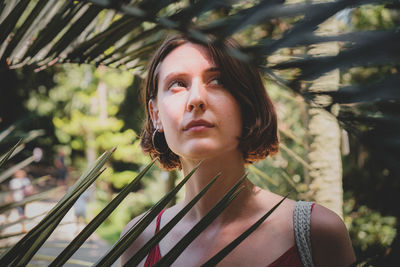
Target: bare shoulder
(326,222)
(331,245)
(280,221)
(285,210)
(271,198)
(140,241)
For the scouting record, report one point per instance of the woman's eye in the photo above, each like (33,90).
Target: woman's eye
(216,81)
(176,84)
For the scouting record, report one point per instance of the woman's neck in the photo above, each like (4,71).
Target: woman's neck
(231,167)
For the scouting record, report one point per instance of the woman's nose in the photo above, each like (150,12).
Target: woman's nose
(197,97)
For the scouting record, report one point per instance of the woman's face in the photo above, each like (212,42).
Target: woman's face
(199,117)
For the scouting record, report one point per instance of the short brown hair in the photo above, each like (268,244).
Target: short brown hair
(243,80)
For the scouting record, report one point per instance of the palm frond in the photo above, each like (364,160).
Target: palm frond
(35,238)
(75,244)
(231,246)
(182,244)
(23,30)
(6,225)
(10,171)
(11,20)
(126,240)
(6,132)
(35,197)
(7,155)
(367,53)
(145,249)
(382,90)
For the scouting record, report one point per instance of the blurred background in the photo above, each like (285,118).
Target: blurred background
(73,113)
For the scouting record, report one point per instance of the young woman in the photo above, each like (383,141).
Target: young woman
(205,105)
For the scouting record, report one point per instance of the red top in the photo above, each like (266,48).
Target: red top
(154,254)
(290,258)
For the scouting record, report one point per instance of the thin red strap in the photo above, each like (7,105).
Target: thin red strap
(154,255)
(158,222)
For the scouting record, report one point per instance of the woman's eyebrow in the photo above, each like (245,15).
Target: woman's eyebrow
(174,74)
(213,69)
(180,74)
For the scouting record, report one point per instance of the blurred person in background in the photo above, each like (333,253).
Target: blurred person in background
(21,187)
(62,171)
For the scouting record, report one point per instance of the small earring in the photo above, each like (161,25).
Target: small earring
(157,142)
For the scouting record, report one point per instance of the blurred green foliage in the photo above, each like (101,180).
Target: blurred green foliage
(85,120)
(370,231)
(286,172)
(375,17)
(79,121)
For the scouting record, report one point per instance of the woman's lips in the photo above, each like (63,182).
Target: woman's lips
(198,126)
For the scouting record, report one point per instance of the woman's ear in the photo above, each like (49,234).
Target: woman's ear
(154,114)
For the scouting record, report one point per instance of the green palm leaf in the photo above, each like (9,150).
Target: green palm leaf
(35,238)
(74,31)
(56,25)
(126,240)
(35,197)
(95,222)
(9,23)
(4,226)
(231,246)
(383,90)
(7,155)
(383,51)
(6,132)
(10,171)
(145,249)
(174,253)
(24,28)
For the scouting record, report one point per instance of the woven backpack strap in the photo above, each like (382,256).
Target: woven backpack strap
(301,222)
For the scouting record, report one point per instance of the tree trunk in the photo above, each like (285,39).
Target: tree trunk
(325,135)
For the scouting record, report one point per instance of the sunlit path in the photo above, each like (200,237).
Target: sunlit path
(88,254)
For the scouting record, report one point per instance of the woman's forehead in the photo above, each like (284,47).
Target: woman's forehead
(186,57)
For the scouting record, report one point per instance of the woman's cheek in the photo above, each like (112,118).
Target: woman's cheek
(171,114)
